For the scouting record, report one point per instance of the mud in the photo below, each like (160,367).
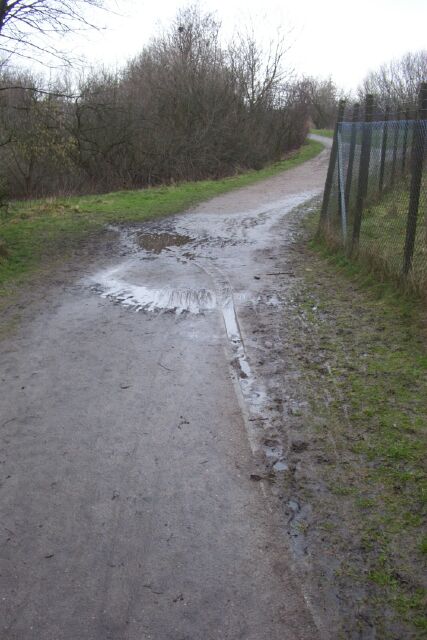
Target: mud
(158,242)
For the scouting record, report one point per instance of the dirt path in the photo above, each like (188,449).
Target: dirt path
(132,420)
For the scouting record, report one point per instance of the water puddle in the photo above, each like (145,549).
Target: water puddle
(110,284)
(157,279)
(158,242)
(255,397)
(280,466)
(273,452)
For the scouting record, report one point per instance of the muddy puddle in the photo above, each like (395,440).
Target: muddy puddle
(152,296)
(158,242)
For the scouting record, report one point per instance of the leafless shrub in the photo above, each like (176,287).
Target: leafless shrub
(186,108)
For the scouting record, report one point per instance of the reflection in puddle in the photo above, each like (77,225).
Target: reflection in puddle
(145,298)
(254,396)
(157,242)
(273,452)
(280,466)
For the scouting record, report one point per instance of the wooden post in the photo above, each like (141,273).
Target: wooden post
(396,125)
(384,148)
(418,144)
(331,167)
(365,157)
(349,177)
(405,139)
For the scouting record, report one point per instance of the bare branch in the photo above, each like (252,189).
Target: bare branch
(27,25)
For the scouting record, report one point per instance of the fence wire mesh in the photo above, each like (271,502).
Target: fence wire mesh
(377,206)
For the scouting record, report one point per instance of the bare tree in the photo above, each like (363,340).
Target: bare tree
(28,27)
(322,96)
(258,72)
(397,82)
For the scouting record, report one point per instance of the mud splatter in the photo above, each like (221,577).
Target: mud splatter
(158,242)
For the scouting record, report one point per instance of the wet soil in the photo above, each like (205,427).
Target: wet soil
(158,242)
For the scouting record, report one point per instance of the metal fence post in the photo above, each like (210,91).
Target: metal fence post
(417,157)
(365,156)
(349,177)
(331,167)
(384,148)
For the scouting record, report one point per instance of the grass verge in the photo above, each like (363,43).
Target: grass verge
(383,233)
(33,230)
(367,388)
(326,133)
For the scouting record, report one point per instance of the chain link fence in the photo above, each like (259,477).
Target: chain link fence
(375,200)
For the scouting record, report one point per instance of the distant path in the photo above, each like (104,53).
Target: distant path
(325,141)
(127,442)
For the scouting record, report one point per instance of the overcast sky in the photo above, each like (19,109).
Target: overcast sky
(341,39)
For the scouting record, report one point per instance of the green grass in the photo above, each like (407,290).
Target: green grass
(33,231)
(382,237)
(377,356)
(383,234)
(327,133)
